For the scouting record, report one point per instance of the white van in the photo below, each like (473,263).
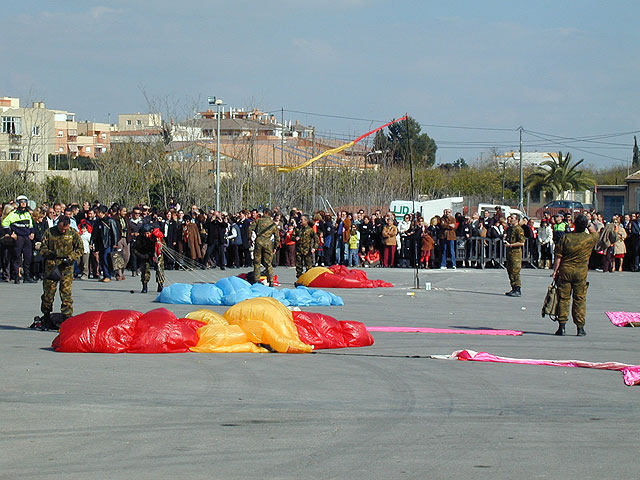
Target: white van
(428,208)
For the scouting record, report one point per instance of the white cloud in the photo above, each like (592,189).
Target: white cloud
(101,11)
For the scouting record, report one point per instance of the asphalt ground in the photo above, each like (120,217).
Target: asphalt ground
(384,411)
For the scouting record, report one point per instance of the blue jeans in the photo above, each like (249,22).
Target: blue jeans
(451,246)
(351,255)
(340,250)
(105,262)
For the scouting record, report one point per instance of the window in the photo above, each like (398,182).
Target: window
(139,123)
(14,154)
(104,149)
(35,130)
(128,122)
(60,133)
(103,136)
(35,157)
(87,149)
(61,149)
(12,125)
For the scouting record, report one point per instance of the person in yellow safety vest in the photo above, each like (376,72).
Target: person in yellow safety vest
(20,226)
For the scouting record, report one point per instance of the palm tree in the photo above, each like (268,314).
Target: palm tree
(559,175)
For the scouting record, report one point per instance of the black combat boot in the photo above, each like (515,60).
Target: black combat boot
(510,292)
(159,287)
(514,293)
(581,332)
(144,288)
(560,331)
(45,322)
(17,281)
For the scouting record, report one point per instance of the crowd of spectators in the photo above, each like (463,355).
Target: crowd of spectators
(218,239)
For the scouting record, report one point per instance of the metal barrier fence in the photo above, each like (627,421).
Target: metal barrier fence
(484,250)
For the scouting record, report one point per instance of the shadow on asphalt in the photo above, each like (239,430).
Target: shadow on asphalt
(464,327)
(13,327)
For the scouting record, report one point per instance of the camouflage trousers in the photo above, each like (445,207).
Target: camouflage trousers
(145,270)
(304,261)
(49,291)
(263,256)
(514,265)
(568,284)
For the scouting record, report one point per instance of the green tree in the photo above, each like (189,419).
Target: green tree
(636,154)
(560,174)
(58,189)
(381,148)
(423,147)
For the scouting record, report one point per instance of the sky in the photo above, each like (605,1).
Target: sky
(565,71)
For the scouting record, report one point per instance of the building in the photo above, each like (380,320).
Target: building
(139,121)
(619,199)
(84,139)
(26,135)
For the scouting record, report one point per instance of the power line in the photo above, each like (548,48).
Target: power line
(579,149)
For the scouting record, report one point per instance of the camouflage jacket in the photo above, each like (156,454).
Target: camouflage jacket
(515,234)
(266,232)
(307,239)
(62,245)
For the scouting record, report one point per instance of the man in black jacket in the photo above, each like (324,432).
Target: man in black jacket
(216,229)
(104,238)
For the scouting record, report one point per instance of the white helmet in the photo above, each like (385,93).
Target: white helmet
(21,198)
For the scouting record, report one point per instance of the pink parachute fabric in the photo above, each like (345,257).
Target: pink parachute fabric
(624,319)
(631,373)
(127,331)
(323,331)
(342,277)
(487,331)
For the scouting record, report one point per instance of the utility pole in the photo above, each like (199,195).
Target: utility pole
(416,276)
(521,203)
(313,170)
(282,154)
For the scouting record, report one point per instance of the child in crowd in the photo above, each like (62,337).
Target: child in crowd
(372,259)
(426,248)
(290,246)
(85,236)
(362,255)
(320,250)
(352,252)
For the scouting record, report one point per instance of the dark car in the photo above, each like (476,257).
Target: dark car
(561,207)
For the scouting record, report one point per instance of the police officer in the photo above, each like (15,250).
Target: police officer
(306,243)
(20,224)
(570,273)
(514,242)
(266,232)
(148,249)
(60,247)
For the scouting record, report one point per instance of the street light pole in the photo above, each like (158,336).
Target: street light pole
(217,102)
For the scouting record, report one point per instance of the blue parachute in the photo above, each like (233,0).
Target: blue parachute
(231,290)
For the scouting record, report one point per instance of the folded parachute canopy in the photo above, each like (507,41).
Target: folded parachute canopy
(624,319)
(338,276)
(231,290)
(256,325)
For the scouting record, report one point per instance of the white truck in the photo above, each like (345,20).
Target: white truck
(491,208)
(428,208)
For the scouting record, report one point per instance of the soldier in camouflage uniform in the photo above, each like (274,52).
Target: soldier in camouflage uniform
(60,247)
(264,245)
(148,250)
(514,243)
(570,269)
(306,243)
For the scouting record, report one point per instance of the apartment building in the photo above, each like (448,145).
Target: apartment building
(26,135)
(85,139)
(138,121)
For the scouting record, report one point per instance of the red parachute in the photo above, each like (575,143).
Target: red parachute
(339,276)
(245,327)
